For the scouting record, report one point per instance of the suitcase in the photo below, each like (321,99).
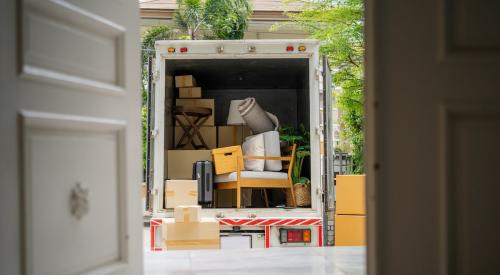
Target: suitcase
(203,173)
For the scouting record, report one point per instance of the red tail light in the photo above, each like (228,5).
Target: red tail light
(183,50)
(289,49)
(295,235)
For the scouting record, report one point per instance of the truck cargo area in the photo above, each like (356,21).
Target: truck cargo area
(279,85)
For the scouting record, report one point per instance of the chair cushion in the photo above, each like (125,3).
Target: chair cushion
(273,149)
(254,146)
(251,175)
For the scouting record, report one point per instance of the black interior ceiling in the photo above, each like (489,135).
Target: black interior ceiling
(243,73)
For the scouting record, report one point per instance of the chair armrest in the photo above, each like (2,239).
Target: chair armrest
(268,158)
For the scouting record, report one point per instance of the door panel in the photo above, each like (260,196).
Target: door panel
(71,135)
(432,110)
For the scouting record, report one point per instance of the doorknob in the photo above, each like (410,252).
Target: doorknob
(79,201)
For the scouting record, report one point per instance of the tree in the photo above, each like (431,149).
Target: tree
(190,16)
(228,19)
(223,19)
(338,25)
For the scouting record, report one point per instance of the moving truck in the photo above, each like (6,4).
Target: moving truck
(287,78)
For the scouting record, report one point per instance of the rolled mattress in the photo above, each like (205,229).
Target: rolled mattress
(255,117)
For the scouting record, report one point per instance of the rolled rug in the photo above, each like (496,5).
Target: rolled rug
(255,117)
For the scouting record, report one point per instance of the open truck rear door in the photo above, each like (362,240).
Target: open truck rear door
(327,172)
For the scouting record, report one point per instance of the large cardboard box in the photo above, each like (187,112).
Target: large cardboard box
(208,133)
(197,102)
(181,192)
(350,193)
(187,213)
(180,162)
(193,235)
(231,135)
(350,230)
(190,92)
(182,81)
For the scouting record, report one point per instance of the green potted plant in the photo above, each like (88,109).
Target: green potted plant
(302,185)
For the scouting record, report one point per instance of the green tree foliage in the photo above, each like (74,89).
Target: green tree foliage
(228,19)
(190,16)
(338,25)
(219,19)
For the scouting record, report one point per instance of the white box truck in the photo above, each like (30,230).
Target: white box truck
(287,78)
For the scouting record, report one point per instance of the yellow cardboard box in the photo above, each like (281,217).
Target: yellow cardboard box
(350,195)
(180,162)
(350,230)
(190,92)
(200,235)
(181,192)
(182,81)
(208,133)
(187,213)
(232,135)
(197,102)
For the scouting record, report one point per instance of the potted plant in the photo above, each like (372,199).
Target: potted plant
(302,185)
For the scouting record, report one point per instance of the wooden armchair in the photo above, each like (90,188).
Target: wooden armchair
(235,177)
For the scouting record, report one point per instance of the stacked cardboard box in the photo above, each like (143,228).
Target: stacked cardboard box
(181,192)
(231,135)
(198,102)
(350,216)
(189,231)
(180,162)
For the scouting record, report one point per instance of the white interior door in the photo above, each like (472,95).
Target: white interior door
(70,139)
(433,150)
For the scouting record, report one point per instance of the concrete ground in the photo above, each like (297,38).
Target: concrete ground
(276,261)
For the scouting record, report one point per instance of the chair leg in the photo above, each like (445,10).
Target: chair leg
(238,197)
(265,197)
(293,195)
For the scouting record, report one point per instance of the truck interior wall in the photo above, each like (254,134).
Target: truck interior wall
(280,86)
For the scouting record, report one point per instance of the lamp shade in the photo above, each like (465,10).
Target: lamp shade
(234,117)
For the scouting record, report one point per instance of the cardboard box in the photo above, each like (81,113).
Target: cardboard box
(187,213)
(198,102)
(182,81)
(181,192)
(231,135)
(350,194)
(208,133)
(201,235)
(350,230)
(180,162)
(190,92)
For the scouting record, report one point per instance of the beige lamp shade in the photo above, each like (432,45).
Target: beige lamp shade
(234,117)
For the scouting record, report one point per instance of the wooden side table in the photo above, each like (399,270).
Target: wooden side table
(195,116)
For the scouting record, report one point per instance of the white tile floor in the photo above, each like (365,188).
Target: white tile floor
(287,261)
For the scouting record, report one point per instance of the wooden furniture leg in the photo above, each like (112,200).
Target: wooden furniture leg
(265,197)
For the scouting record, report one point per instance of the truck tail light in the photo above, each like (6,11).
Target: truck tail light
(289,48)
(295,235)
(302,48)
(184,50)
(171,50)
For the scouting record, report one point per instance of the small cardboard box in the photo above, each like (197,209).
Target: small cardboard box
(181,192)
(208,133)
(180,162)
(232,135)
(182,81)
(197,102)
(187,213)
(201,235)
(350,230)
(190,92)
(350,194)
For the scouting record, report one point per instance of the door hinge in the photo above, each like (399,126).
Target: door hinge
(154,133)
(319,74)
